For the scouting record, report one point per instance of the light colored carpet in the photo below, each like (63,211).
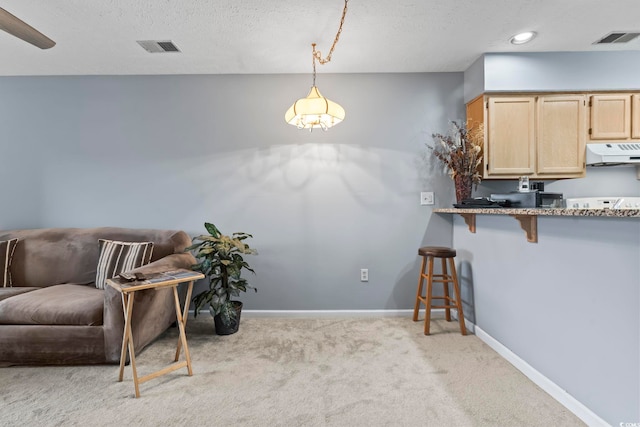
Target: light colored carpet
(293,372)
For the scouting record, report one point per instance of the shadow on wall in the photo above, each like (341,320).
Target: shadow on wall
(465,279)
(438,233)
(404,290)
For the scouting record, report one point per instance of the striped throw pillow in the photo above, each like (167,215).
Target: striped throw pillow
(6,253)
(119,257)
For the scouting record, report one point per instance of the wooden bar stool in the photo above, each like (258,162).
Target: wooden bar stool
(429,253)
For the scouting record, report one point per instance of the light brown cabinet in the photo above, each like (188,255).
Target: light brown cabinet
(614,117)
(635,116)
(561,136)
(538,136)
(510,136)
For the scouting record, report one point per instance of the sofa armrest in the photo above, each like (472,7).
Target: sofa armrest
(168,263)
(153,309)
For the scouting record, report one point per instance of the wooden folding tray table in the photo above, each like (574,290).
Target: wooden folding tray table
(127,290)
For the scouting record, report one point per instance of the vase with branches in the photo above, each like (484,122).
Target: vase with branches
(461,152)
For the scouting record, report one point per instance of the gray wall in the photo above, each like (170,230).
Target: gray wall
(552,71)
(562,71)
(567,305)
(176,151)
(474,80)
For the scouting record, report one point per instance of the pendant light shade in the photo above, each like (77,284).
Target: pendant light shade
(314,111)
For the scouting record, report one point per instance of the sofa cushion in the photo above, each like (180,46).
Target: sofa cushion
(11,292)
(7,247)
(118,257)
(55,305)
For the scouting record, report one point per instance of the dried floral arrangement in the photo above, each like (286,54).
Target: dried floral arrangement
(460,151)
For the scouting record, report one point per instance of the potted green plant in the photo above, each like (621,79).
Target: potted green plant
(220,259)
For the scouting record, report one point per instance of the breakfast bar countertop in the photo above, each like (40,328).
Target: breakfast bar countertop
(620,213)
(528,217)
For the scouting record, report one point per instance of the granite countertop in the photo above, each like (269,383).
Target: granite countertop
(619,213)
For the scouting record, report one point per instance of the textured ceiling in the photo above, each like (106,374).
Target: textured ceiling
(275,36)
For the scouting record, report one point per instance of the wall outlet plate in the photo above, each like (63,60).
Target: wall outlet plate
(364,274)
(426,198)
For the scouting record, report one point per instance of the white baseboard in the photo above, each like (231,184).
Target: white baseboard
(329,313)
(344,313)
(555,391)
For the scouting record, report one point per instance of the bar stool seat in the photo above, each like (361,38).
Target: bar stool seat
(447,276)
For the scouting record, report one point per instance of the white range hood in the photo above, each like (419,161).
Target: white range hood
(613,154)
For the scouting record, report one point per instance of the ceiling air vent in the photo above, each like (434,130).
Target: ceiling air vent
(618,37)
(157,46)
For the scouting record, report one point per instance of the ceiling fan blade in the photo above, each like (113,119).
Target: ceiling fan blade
(17,27)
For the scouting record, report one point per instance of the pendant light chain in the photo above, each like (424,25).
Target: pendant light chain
(313,59)
(317,55)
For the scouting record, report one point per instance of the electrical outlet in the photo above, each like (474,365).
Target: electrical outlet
(426,198)
(364,274)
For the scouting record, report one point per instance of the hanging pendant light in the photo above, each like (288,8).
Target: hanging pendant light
(316,111)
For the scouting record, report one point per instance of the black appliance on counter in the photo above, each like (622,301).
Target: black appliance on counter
(531,199)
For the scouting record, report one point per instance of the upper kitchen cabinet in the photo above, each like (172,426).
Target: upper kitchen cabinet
(475,112)
(561,135)
(635,116)
(509,146)
(541,137)
(610,117)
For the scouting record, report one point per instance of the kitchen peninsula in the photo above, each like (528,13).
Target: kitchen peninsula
(528,217)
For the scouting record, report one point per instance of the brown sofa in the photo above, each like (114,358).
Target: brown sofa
(54,314)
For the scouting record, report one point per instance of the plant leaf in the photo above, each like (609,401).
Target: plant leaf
(212,229)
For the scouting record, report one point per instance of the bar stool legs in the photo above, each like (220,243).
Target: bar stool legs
(448,276)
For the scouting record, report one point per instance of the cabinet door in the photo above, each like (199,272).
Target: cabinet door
(510,142)
(475,112)
(635,116)
(610,117)
(561,135)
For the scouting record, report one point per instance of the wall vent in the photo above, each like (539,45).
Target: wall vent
(158,46)
(618,37)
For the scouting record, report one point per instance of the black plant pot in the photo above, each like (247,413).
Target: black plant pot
(223,328)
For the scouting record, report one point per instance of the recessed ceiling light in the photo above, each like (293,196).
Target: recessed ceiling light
(523,38)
